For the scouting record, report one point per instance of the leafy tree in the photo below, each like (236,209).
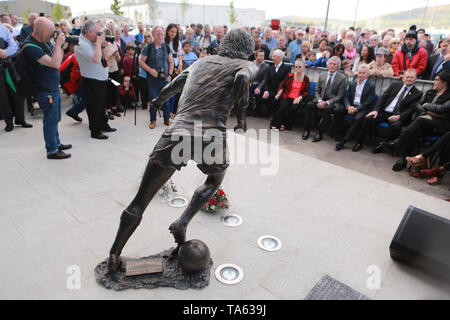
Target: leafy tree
(58,13)
(233,17)
(25,15)
(115,7)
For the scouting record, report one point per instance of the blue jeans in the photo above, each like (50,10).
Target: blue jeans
(50,103)
(154,88)
(78,107)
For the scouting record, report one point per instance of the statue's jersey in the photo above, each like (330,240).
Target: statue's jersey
(208,94)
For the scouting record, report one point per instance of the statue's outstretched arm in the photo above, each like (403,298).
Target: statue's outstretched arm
(172,88)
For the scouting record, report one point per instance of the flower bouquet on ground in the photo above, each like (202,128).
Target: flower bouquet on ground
(218,203)
(167,191)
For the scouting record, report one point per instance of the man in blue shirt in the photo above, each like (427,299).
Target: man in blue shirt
(296,46)
(11,106)
(268,40)
(43,65)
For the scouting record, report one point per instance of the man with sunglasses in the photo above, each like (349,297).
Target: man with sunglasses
(296,46)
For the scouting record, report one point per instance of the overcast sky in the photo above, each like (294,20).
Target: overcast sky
(339,9)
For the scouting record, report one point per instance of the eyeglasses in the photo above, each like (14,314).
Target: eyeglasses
(298,67)
(147,36)
(324,36)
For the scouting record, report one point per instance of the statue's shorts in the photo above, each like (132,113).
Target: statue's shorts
(175,151)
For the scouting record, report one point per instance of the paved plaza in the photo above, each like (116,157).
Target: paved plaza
(335,213)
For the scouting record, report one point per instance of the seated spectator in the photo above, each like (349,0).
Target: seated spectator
(294,94)
(322,61)
(410,55)
(323,45)
(380,67)
(282,46)
(190,38)
(436,62)
(328,98)
(358,102)
(126,92)
(395,106)
(295,47)
(350,52)
(338,51)
(260,45)
(269,40)
(434,118)
(306,48)
(366,57)
(394,44)
(421,160)
(274,76)
(256,88)
(189,57)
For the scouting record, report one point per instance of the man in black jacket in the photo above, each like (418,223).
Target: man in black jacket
(274,76)
(260,45)
(434,118)
(395,106)
(358,101)
(436,61)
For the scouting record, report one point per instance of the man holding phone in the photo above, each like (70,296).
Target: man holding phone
(94,78)
(43,64)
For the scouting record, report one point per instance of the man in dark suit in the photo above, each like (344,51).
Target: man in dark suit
(436,62)
(256,88)
(358,101)
(433,118)
(274,76)
(260,45)
(395,106)
(328,98)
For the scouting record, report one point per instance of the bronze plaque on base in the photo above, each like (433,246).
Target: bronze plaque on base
(137,267)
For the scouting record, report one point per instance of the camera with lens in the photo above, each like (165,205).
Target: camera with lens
(137,43)
(161,75)
(110,39)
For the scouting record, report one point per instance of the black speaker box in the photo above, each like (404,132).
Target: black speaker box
(422,241)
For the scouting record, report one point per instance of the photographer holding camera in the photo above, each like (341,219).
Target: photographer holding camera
(94,73)
(43,64)
(157,61)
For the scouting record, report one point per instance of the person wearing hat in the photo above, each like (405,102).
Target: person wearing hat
(433,118)
(380,67)
(410,55)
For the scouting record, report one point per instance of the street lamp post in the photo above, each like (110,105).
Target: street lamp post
(326,19)
(356,13)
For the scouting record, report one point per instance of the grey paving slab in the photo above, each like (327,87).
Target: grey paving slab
(335,214)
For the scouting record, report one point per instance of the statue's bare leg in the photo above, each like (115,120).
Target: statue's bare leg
(154,178)
(201,197)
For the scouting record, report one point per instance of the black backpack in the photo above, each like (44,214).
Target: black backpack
(18,78)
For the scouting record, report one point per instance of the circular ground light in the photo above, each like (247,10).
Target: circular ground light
(269,243)
(178,202)
(232,220)
(229,274)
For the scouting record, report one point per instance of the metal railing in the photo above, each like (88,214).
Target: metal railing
(381,84)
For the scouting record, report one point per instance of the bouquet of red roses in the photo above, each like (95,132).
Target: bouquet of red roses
(218,202)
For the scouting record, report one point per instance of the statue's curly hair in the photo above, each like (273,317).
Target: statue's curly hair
(237,44)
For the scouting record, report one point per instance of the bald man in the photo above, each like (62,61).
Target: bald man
(28,29)
(43,64)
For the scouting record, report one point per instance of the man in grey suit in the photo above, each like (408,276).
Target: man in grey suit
(436,61)
(328,98)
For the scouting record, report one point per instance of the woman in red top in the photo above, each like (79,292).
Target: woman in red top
(295,93)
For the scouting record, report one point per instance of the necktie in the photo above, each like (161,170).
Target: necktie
(328,87)
(400,99)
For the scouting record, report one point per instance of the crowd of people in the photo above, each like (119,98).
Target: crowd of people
(107,70)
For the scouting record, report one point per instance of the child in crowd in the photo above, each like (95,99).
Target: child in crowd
(126,92)
(189,56)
